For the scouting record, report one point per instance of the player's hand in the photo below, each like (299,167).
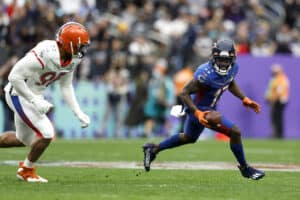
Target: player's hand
(251,104)
(42,105)
(201,117)
(84,119)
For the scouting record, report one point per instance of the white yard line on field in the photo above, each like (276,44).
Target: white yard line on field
(164,165)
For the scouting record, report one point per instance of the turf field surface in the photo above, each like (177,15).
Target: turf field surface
(167,180)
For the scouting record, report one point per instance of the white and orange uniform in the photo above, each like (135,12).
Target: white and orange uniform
(28,80)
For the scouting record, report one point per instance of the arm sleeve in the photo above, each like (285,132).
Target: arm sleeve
(68,93)
(22,71)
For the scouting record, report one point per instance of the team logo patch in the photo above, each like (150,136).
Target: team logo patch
(202,78)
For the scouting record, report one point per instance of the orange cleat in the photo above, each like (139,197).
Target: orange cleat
(28,174)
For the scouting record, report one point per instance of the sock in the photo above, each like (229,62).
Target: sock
(238,152)
(171,142)
(28,163)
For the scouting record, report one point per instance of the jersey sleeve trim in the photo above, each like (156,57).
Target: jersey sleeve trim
(38,58)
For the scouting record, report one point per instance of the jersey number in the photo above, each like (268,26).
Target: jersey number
(49,77)
(217,95)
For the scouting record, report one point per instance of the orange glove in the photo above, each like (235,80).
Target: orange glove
(201,117)
(251,104)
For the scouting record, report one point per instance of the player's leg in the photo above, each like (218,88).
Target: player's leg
(230,129)
(192,130)
(34,130)
(9,139)
(27,169)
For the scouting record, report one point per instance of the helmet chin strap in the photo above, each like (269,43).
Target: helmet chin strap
(220,71)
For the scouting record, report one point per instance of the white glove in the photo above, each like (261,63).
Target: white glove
(84,119)
(177,111)
(42,105)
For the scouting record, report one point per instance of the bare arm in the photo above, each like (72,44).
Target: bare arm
(191,87)
(235,90)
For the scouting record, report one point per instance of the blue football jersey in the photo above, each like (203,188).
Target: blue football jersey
(215,83)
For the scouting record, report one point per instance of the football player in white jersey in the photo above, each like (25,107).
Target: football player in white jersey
(48,61)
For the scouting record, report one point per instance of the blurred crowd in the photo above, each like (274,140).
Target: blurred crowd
(136,42)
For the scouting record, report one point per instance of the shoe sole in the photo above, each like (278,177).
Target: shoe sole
(258,177)
(147,159)
(40,180)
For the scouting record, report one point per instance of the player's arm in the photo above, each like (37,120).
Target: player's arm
(21,71)
(190,88)
(68,93)
(236,91)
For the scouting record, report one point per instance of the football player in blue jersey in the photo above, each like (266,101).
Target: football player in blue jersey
(200,96)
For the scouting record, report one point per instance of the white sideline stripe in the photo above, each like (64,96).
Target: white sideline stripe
(163,165)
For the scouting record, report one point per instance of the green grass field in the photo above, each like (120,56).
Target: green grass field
(93,183)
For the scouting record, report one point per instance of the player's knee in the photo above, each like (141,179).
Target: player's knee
(235,132)
(48,133)
(46,141)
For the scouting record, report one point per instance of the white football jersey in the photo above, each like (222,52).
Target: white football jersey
(42,65)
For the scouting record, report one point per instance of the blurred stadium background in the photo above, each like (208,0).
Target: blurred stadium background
(148,49)
(145,46)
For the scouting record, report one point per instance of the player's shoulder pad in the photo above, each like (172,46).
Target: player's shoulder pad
(47,50)
(202,74)
(46,46)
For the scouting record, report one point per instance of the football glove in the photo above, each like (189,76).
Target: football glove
(42,105)
(201,117)
(251,104)
(84,119)
(177,111)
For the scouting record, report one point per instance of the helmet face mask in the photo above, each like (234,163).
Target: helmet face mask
(74,38)
(82,50)
(223,56)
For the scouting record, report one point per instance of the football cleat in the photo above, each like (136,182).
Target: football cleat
(149,155)
(28,174)
(250,172)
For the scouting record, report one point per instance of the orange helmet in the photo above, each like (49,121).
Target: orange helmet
(74,38)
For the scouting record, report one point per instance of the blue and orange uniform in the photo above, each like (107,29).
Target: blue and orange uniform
(207,98)
(200,96)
